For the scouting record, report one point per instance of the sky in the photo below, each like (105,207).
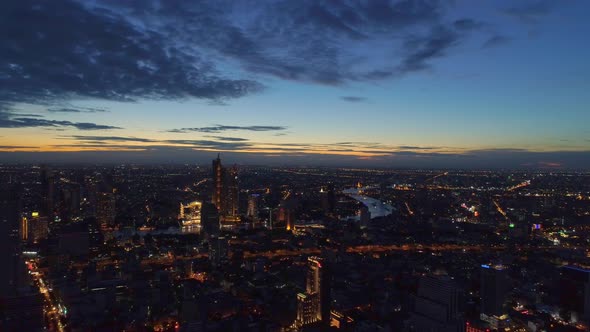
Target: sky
(453,83)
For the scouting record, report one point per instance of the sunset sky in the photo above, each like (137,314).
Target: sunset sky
(365,83)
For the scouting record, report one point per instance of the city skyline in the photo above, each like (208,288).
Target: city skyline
(371,84)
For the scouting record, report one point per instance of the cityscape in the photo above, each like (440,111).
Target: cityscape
(224,248)
(294,166)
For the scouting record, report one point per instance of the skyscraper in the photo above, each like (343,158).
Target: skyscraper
(105,209)
(9,238)
(47,191)
(493,287)
(436,305)
(314,305)
(225,191)
(217,175)
(252,211)
(209,219)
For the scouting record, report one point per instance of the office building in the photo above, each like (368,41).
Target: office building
(218,250)
(105,209)
(313,306)
(10,204)
(493,288)
(34,227)
(252,211)
(436,305)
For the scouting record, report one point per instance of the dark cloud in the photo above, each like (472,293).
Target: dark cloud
(10,147)
(222,128)
(229,139)
(422,49)
(353,99)
(76,110)
(52,52)
(496,40)
(110,138)
(467,24)
(530,12)
(15,120)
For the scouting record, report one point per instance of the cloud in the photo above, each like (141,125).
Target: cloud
(353,99)
(15,120)
(110,138)
(495,40)
(12,147)
(54,52)
(76,110)
(467,24)
(222,128)
(530,12)
(229,139)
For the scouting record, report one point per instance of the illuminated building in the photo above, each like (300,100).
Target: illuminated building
(470,327)
(225,192)
(286,214)
(218,173)
(493,288)
(305,310)
(190,214)
(34,228)
(252,211)
(314,305)
(339,320)
(575,290)
(105,209)
(436,305)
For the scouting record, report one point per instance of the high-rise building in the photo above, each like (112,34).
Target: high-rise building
(575,290)
(34,227)
(493,288)
(218,250)
(9,237)
(105,209)
(209,219)
(436,305)
(252,211)
(314,305)
(225,194)
(47,191)
(218,174)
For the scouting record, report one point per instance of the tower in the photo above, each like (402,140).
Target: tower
(217,175)
(225,191)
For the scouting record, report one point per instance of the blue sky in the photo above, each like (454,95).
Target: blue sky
(369,83)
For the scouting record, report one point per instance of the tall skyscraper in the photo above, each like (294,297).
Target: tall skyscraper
(105,209)
(436,305)
(493,288)
(9,238)
(218,176)
(225,191)
(314,305)
(47,191)
(252,211)
(232,196)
